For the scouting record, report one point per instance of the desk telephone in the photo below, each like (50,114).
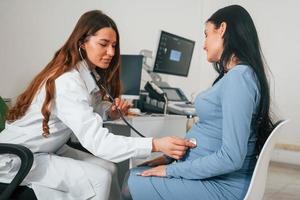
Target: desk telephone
(175,99)
(155,92)
(173,94)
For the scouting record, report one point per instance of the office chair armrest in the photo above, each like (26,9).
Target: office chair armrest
(26,157)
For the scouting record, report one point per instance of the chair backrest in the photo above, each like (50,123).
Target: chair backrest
(258,181)
(3,110)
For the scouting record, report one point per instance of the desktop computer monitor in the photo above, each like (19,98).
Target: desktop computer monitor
(130,75)
(174,54)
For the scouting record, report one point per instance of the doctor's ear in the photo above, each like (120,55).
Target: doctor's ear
(81,46)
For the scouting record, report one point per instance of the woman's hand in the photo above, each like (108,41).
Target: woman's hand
(172,146)
(161,160)
(123,107)
(155,171)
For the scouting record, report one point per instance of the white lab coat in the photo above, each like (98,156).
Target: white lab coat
(71,112)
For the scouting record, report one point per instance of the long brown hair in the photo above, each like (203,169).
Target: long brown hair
(64,60)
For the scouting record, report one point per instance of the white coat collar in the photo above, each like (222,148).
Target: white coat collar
(85,74)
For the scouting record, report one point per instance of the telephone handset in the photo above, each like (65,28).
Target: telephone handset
(154,91)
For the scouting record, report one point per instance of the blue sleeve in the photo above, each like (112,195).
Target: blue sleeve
(238,101)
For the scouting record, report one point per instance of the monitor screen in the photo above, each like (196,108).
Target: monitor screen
(174,54)
(130,75)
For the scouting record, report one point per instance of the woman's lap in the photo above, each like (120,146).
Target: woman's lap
(62,176)
(231,186)
(169,188)
(89,158)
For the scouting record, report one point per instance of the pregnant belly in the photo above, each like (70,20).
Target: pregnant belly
(207,143)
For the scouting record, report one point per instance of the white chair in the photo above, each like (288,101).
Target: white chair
(258,181)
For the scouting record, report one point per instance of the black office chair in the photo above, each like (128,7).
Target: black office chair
(13,190)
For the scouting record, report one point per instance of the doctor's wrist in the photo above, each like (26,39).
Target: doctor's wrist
(155,145)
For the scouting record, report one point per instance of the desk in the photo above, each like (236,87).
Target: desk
(151,126)
(154,125)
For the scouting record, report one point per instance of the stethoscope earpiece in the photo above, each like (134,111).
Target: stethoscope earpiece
(80,54)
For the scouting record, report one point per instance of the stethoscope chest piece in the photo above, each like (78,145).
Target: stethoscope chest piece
(193,140)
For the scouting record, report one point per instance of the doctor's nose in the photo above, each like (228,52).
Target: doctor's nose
(110,51)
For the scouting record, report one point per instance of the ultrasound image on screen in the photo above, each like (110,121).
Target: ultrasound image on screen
(174,55)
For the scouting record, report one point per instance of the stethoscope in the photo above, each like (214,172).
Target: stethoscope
(109,96)
(192,140)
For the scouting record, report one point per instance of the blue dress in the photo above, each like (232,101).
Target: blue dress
(221,165)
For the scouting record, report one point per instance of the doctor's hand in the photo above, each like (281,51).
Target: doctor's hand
(123,107)
(155,171)
(172,146)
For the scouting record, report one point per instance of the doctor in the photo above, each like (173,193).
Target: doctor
(64,99)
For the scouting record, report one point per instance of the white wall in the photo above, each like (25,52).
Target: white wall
(32,30)
(278,27)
